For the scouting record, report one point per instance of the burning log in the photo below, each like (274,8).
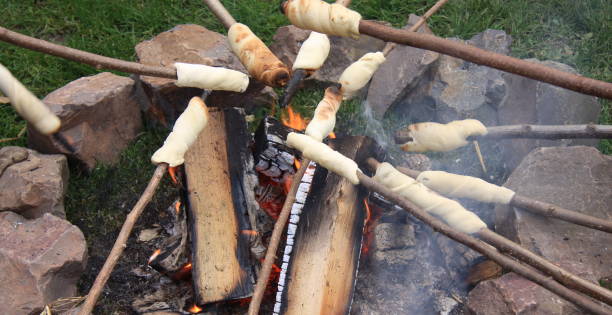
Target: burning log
(273,157)
(220,207)
(321,256)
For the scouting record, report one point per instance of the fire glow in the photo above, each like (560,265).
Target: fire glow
(172,172)
(154,255)
(294,120)
(195,309)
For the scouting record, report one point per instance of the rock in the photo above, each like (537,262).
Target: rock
(41,260)
(10,156)
(192,43)
(344,51)
(533,102)
(403,69)
(513,294)
(34,186)
(577,178)
(100,116)
(393,236)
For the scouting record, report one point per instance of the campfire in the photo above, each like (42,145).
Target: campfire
(296,219)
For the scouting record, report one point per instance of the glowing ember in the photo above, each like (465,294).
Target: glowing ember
(177,207)
(172,172)
(332,135)
(187,267)
(294,120)
(155,254)
(195,309)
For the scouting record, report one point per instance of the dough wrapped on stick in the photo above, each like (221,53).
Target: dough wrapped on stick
(324,120)
(210,78)
(431,136)
(460,186)
(324,156)
(322,17)
(359,73)
(256,57)
(448,210)
(28,106)
(186,130)
(310,58)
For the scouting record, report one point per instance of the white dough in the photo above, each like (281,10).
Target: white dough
(465,187)
(322,17)
(325,156)
(27,105)
(324,118)
(210,78)
(448,210)
(313,53)
(359,73)
(431,136)
(185,132)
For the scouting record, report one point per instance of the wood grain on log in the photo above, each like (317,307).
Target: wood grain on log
(222,267)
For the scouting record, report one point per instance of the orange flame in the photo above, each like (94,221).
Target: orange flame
(195,309)
(249,232)
(172,172)
(154,255)
(368,211)
(177,207)
(297,163)
(332,135)
(295,120)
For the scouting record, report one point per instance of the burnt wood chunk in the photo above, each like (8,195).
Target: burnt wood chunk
(322,253)
(220,201)
(273,157)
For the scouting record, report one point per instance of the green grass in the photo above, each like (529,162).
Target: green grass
(574,32)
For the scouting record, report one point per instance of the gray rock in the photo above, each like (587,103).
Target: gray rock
(100,116)
(393,236)
(41,260)
(533,102)
(512,294)
(577,178)
(191,43)
(34,186)
(344,51)
(403,69)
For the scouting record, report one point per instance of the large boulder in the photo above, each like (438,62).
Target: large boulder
(34,184)
(577,178)
(100,116)
(344,51)
(533,102)
(192,43)
(403,69)
(41,260)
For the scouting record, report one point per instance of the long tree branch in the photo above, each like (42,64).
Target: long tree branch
(488,58)
(97,61)
(485,249)
(120,243)
(277,232)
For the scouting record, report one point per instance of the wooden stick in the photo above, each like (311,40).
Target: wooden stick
(96,61)
(488,58)
(390,45)
(120,243)
(549,131)
(561,275)
(533,132)
(544,209)
(485,249)
(220,12)
(279,226)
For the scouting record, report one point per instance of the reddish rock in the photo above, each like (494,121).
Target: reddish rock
(41,260)
(191,43)
(34,186)
(100,116)
(512,294)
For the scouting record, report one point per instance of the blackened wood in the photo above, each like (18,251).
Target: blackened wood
(324,260)
(218,208)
